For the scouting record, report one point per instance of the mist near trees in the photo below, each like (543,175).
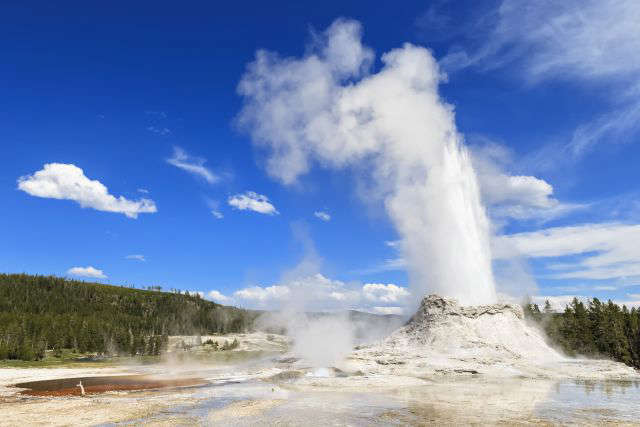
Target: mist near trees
(595,329)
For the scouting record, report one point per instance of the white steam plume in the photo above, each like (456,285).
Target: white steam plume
(328,107)
(320,340)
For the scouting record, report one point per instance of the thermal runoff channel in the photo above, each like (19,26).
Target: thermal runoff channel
(389,126)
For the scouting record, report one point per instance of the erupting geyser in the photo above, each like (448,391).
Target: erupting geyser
(393,128)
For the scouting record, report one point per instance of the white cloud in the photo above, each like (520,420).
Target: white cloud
(217,214)
(606,251)
(586,39)
(338,296)
(388,310)
(263,295)
(388,293)
(193,165)
(323,216)
(513,196)
(163,131)
(68,182)
(217,296)
(254,202)
(88,271)
(521,197)
(137,257)
(143,191)
(319,293)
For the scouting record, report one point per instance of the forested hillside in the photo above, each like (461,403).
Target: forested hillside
(597,329)
(38,313)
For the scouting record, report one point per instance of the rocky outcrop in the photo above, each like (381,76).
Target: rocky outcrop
(434,307)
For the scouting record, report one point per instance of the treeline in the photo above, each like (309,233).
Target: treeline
(39,313)
(596,329)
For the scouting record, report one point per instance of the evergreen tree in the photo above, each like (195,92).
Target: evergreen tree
(39,313)
(597,329)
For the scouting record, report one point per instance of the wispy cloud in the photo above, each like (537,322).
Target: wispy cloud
(254,202)
(605,251)
(616,126)
(159,130)
(158,114)
(586,39)
(214,208)
(193,165)
(390,264)
(323,216)
(605,288)
(68,182)
(601,251)
(137,257)
(436,21)
(88,271)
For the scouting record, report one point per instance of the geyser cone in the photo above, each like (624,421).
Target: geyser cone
(444,337)
(490,333)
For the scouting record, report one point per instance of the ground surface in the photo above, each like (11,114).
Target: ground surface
(260,384)
(259,394)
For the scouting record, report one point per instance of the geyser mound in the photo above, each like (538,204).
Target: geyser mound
(490,333)
(444,337)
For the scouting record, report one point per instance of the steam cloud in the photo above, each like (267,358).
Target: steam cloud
(328,107)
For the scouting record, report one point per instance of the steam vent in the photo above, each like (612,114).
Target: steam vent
(444,338)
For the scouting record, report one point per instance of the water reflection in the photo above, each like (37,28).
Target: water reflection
(607,387)
(474,400)
(592,402)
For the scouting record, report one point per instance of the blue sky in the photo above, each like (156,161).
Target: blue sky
(144,99)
